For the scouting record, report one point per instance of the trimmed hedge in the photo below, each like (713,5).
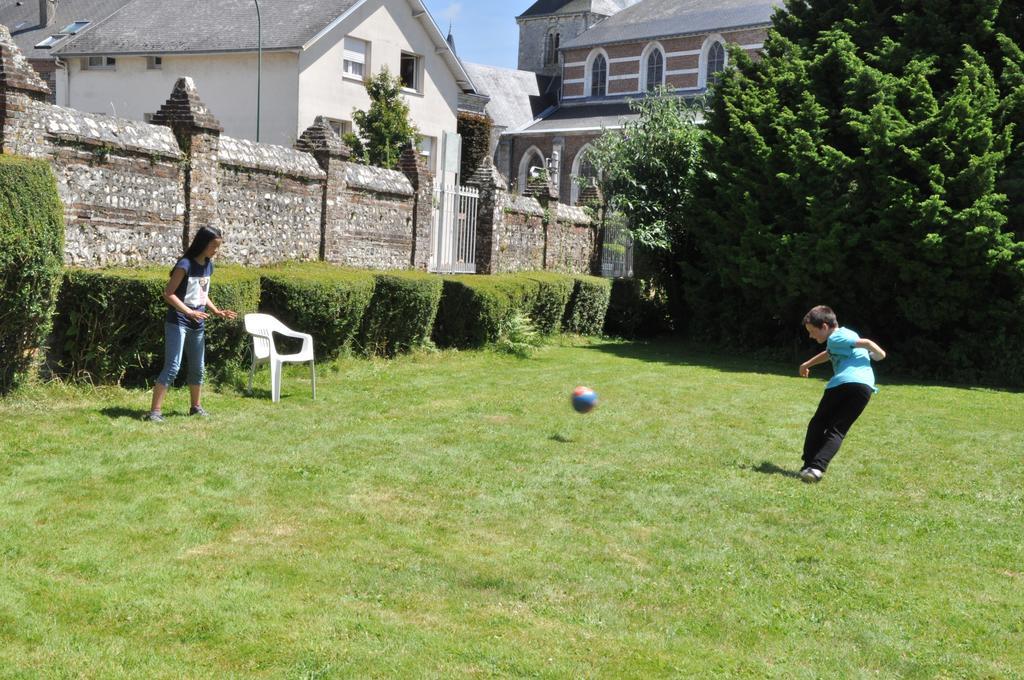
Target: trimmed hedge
(31,259)
(473,308)
(588,305)
(552,300)
(401,313)
(329,302)
(110,323)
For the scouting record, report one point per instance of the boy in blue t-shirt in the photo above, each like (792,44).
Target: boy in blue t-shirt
(846,394)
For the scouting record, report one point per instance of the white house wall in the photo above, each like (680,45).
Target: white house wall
(226,84)
(390,29)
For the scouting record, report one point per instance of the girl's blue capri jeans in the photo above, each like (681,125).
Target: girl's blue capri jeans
(176,339)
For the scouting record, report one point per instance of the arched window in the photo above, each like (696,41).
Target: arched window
(531,163)
(583,173)
(599,77)
(715,63)
(655,70)
(551,45)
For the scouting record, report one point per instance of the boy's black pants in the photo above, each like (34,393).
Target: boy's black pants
(839,407)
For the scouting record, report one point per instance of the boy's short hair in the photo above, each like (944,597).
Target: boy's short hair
(821,315)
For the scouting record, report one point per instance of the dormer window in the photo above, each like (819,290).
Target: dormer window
(74,27)
(599,77)
(551,46)
(49,42)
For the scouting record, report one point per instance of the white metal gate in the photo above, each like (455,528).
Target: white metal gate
(453,231)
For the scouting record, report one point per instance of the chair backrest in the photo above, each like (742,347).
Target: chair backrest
(261,328)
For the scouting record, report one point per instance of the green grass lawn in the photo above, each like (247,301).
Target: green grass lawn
(449,515)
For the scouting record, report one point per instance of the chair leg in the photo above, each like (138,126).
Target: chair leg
(312,371)
(252,372)
(275,381)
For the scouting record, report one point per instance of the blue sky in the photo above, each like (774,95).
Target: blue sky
(485,30)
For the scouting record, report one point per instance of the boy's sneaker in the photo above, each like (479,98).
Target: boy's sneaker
(198,411)
(154,417)
(811,475)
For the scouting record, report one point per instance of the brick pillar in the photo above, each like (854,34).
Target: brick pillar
(543,190)
(19,85)
(198,135)
(416,170)
(331,153)
(489,181)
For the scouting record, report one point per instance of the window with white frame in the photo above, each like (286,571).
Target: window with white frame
(427,148)
(715,64)
(356,58)
(410,72)
(655,70)
(599,76)
(340,127)
(99,63)
(154,63)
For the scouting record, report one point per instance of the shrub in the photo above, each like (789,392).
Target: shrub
(637,308)
(236,288)
(326,301)
(401,313)
(552,299)
(110,323)
(473,308)
(588,305)
(519,336)
(31,258)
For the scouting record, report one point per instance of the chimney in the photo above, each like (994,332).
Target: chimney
(47,12)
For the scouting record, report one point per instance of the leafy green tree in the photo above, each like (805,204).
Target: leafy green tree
(870,160)
(648,170)
(385,129)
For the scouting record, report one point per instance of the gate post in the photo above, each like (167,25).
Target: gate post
(19,85)
(198,135)
(422,182)
(330,153)
(489,182)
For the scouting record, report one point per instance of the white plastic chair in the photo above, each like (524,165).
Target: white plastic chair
(262,328)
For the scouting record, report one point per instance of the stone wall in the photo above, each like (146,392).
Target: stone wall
(529,233)
(134,193)
(375,224)
(269,203)
(121,183)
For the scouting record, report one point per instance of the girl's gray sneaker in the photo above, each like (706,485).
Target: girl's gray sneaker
(198,411)
(154,417)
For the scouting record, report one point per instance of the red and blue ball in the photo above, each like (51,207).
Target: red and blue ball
(584,399)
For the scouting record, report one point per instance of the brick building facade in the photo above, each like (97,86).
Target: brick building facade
(676,44)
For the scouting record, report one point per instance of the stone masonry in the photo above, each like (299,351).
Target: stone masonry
(134,193)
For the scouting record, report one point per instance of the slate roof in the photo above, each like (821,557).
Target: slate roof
(650,19)
(177,26)
(586,117)
(517,97)
(547,7)
(589,117)
(23,21)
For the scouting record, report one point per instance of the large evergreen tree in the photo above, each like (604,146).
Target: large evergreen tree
(872,161)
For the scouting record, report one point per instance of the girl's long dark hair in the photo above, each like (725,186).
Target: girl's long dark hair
(201,240)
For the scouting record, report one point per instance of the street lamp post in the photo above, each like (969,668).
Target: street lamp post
(259,64)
